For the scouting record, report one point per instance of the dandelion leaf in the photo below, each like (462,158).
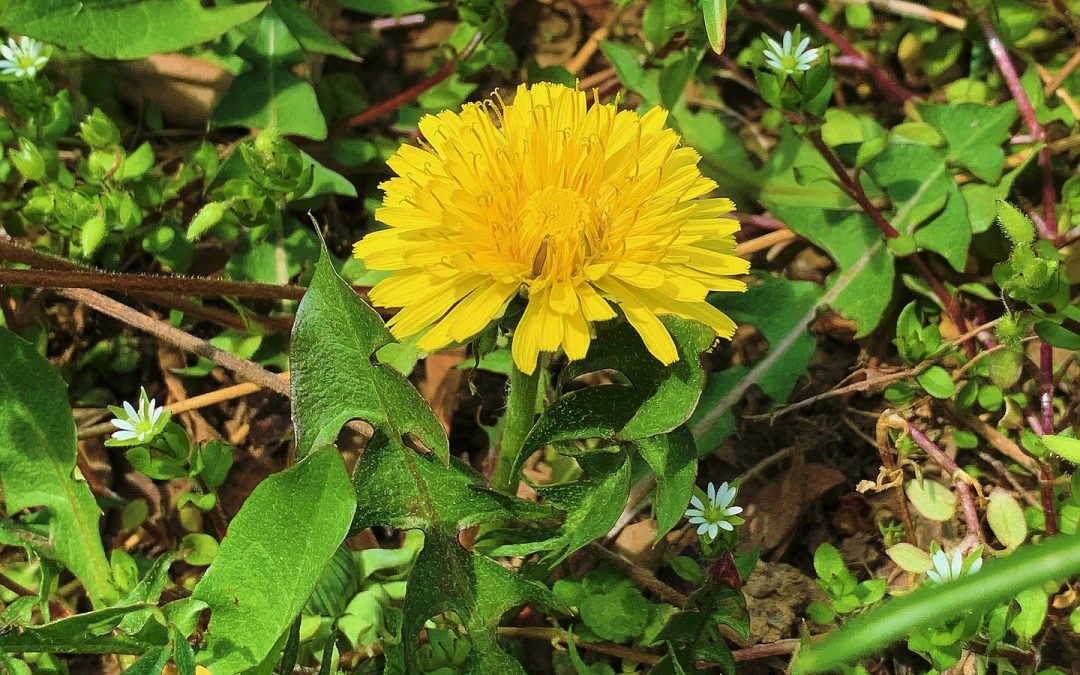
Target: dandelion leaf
(37,456)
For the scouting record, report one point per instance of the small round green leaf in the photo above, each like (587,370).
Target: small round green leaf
(931,499)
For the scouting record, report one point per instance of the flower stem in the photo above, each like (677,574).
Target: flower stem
(520,413)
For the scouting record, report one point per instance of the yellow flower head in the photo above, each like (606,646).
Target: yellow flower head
(575,206)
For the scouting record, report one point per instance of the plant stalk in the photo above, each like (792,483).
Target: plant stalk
(520,414)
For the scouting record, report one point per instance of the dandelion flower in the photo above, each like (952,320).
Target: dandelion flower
(575,207)
(785,60)
(718,514)
(136,427)
(23,59)
(950,568)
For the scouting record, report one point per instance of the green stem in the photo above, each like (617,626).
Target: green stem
(520,414)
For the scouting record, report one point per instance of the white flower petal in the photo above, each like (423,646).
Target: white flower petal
(123,435)
(726,525)
(697,520)
(733,511)
(956,566)
(975,566)
(123,424)
(787,42)
(714,530)
(935,577)
(774,46)
(130,410)
(711,491)
(696,503)
(703,528)
(802,46)
(694,513)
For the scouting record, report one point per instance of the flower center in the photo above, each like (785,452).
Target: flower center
(557,231)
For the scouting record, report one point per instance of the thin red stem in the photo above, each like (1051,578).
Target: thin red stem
(963,489)
(393,103)
(856,192)
(886,82)
(1048,229)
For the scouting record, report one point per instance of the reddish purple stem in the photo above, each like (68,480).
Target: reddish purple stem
(886,82)
(967,501)
(1048,229)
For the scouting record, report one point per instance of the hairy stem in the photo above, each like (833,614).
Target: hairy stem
(520,414)
(1048,228)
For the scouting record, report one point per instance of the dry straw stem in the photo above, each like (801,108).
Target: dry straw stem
(913,10)
(241,367)
(187,405)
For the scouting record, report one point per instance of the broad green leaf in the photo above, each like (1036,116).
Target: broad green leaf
(928,203)
(125,30)
(86,633)
(780,184)
(632,74)
(308,33)
(151,663)
(673,459)
(975,134)
(982,199)
(1033,605)
(334,338)
(446,577)
(999,580)
(270,94)
(592,506)
(334,380)
(782,310)
(401,488)
(937,382)
(661,397)
(1006,519)
(676,75)
(931,499)
(274,553)
(37,457)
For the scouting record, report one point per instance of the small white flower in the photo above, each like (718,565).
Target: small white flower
(135,427)
(718,514)
(948,568)
(23,59)
(786,61)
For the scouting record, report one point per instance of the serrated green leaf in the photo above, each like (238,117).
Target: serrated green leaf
(592,506)
(446,577)
(86,633)
(308,33)
(399,488)
(37,453)
(1064,447)
(975,134)
(928,203)
(673,459)
(782,310)
(273,555)
(124,30)
(335,328)
(662,397)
